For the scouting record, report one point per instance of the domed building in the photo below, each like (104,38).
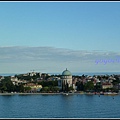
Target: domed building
(67,77)
(66,73)
(66,80)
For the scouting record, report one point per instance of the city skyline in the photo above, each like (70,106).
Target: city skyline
(52,36)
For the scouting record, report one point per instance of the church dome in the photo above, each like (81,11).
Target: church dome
(66,73)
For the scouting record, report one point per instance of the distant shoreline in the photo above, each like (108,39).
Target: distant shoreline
(57,94)
(74,73)
(35,93)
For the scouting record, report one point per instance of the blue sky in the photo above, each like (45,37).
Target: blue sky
(65,26)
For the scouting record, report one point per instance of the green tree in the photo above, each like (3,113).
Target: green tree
(45,89)
(98,87)
(27,89)
(21,88)
(80,86)
(70,88)
(7,85)
(89,86)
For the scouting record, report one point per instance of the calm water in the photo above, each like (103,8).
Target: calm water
(59,106)
(90,73)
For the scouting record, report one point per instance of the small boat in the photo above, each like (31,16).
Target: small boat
(66,93)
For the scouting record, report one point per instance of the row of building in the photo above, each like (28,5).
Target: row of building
(66,79)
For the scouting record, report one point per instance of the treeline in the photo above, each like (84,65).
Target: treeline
(28,77)
(6,85)
(49,86)
(90,87)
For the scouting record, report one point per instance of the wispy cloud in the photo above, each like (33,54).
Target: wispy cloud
(50,57)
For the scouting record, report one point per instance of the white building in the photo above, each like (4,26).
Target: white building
(34,87)
(66,80)
(1,78)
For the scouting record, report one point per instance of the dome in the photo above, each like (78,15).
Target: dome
(66,73)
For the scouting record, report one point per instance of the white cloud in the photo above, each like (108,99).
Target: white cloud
(53,59)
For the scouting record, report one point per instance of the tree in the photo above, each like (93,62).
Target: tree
(27,89)
(21,88)
(80,86)
(7,85)
(3,88)
(45,89)
(98,87)
(89,86)
(70,88)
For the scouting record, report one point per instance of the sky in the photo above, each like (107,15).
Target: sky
(52,36)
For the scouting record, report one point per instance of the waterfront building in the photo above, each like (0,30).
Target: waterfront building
(66,80)
(107,85)
(34,87)
(16,81)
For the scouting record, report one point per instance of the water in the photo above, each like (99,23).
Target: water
(9,74)
(97,73)
(90,73)
(59,106)
(80,74)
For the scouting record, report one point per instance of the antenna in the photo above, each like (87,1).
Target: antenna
(32,70)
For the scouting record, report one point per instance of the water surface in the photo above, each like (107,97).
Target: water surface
(59,106)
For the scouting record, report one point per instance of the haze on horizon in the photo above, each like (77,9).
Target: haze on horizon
(53,36)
